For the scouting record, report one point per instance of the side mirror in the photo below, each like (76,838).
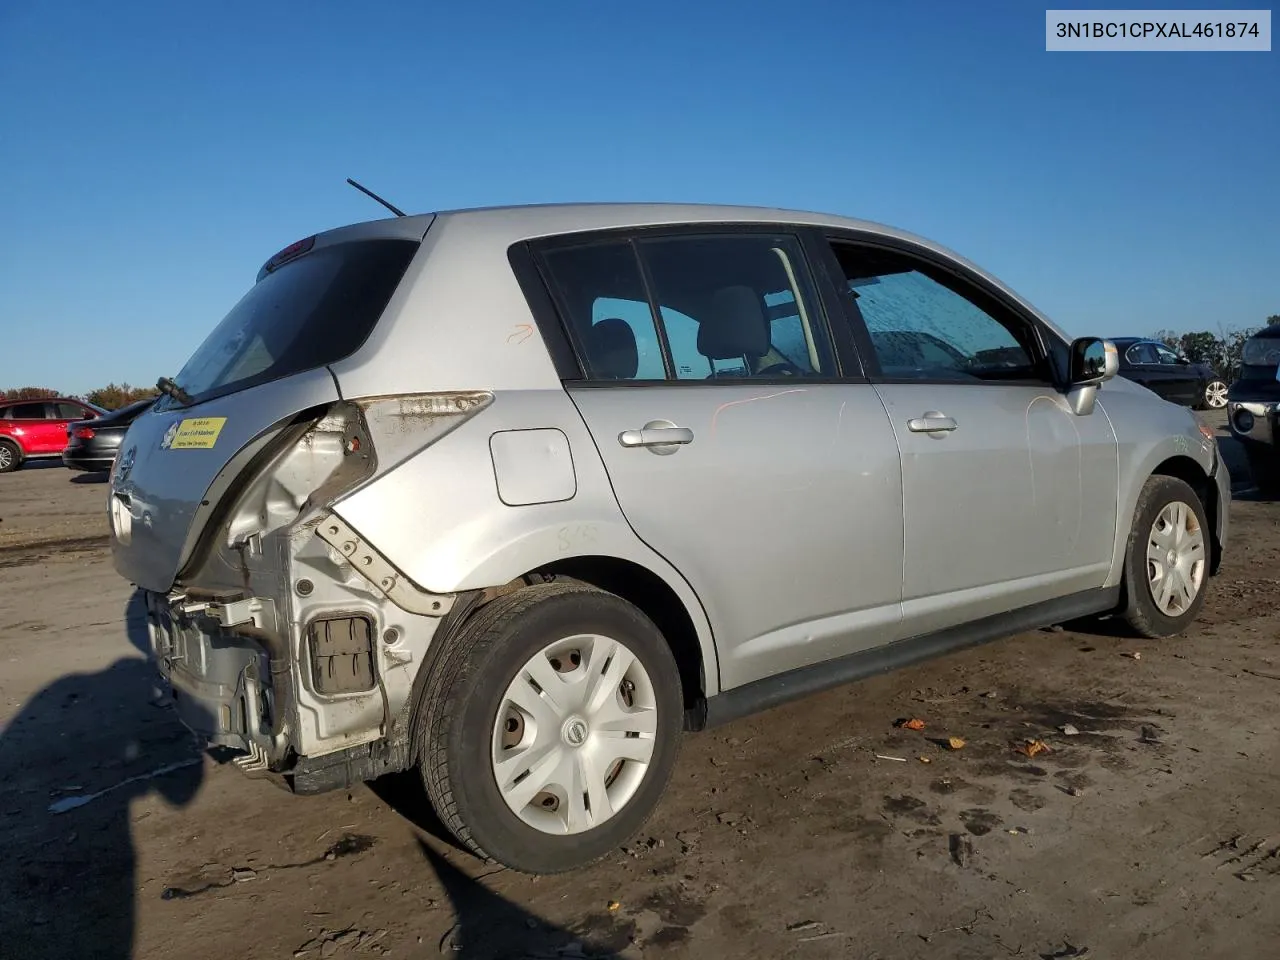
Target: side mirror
(1184,361)
(1093,361)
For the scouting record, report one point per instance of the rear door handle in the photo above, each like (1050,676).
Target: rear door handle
(931,422)
(656,434)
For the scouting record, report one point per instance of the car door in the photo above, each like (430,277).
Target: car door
(64,413)
(736,448)
(1009,498)
(30,426)
(1182,380)
(1155,367)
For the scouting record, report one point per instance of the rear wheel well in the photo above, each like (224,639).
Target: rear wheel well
(646,590)
(1190,472)
(16,454)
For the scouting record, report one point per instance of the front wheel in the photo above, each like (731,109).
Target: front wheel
(1167,560)
(1215,395)
(552,727)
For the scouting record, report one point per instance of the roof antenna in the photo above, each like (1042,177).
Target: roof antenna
(365,190)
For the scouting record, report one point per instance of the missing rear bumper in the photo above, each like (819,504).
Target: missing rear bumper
(380,572)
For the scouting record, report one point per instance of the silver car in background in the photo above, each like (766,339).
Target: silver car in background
(513,496)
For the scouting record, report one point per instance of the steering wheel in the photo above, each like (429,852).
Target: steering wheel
(783,367)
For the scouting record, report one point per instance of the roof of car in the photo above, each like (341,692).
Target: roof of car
(537,219)
(514,223)
(9,401)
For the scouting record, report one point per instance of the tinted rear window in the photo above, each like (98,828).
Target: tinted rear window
(308,313)
(1260,358)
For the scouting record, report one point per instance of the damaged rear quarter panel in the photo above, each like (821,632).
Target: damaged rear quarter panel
(439,519)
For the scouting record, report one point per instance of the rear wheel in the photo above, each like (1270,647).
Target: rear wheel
(552,726)
(1215,395)
(1167,560)
(10,456)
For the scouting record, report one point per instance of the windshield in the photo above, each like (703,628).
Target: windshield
(310,312)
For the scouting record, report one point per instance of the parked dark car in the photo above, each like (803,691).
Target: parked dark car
(92,445)
(1169,374)
(1253,407)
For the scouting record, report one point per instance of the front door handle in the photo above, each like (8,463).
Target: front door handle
(656,433)
(931,422)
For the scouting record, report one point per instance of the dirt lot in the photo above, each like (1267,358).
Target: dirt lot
(1151,833)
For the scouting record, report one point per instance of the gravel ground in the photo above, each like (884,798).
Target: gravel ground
(1150,832)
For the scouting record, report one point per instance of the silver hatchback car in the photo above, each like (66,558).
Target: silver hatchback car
(513,496)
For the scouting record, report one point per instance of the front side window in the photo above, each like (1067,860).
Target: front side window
(1164,354)
(692,308)
(70,411)
(926,325)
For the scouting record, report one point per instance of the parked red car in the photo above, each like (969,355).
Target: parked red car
(35,429)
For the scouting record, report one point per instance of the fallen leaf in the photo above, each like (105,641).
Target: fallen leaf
(1033,747)
(915,723)
(955,743)
(614,906)
(925,760)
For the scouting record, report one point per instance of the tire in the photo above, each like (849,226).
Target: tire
(10,456)
(1143,610)
(1264,468)
(459,742)
(1214,395)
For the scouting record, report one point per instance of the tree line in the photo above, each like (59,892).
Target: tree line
(1219,350)
(111,397)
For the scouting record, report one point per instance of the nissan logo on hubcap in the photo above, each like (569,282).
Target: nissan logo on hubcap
(575,732)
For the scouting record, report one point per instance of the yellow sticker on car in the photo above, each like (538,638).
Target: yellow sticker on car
(195,433)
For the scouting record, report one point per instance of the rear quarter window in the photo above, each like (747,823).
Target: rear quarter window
(307,313)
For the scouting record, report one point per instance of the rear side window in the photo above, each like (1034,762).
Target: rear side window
(603,294)
(692,308)
(308,313)
(1141,353)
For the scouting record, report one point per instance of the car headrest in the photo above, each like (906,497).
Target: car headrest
(734,326)
(612,351)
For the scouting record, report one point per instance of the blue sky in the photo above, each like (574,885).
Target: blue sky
(153,155)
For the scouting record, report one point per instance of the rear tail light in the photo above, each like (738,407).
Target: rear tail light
(344,448)
(83,433)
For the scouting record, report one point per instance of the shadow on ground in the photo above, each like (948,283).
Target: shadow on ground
(405,794)
(489,926)
(90,478)
(74,760)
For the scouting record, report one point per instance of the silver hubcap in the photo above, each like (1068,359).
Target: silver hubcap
(1175,558)
(575,734)
(1215,394)
(6,457)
